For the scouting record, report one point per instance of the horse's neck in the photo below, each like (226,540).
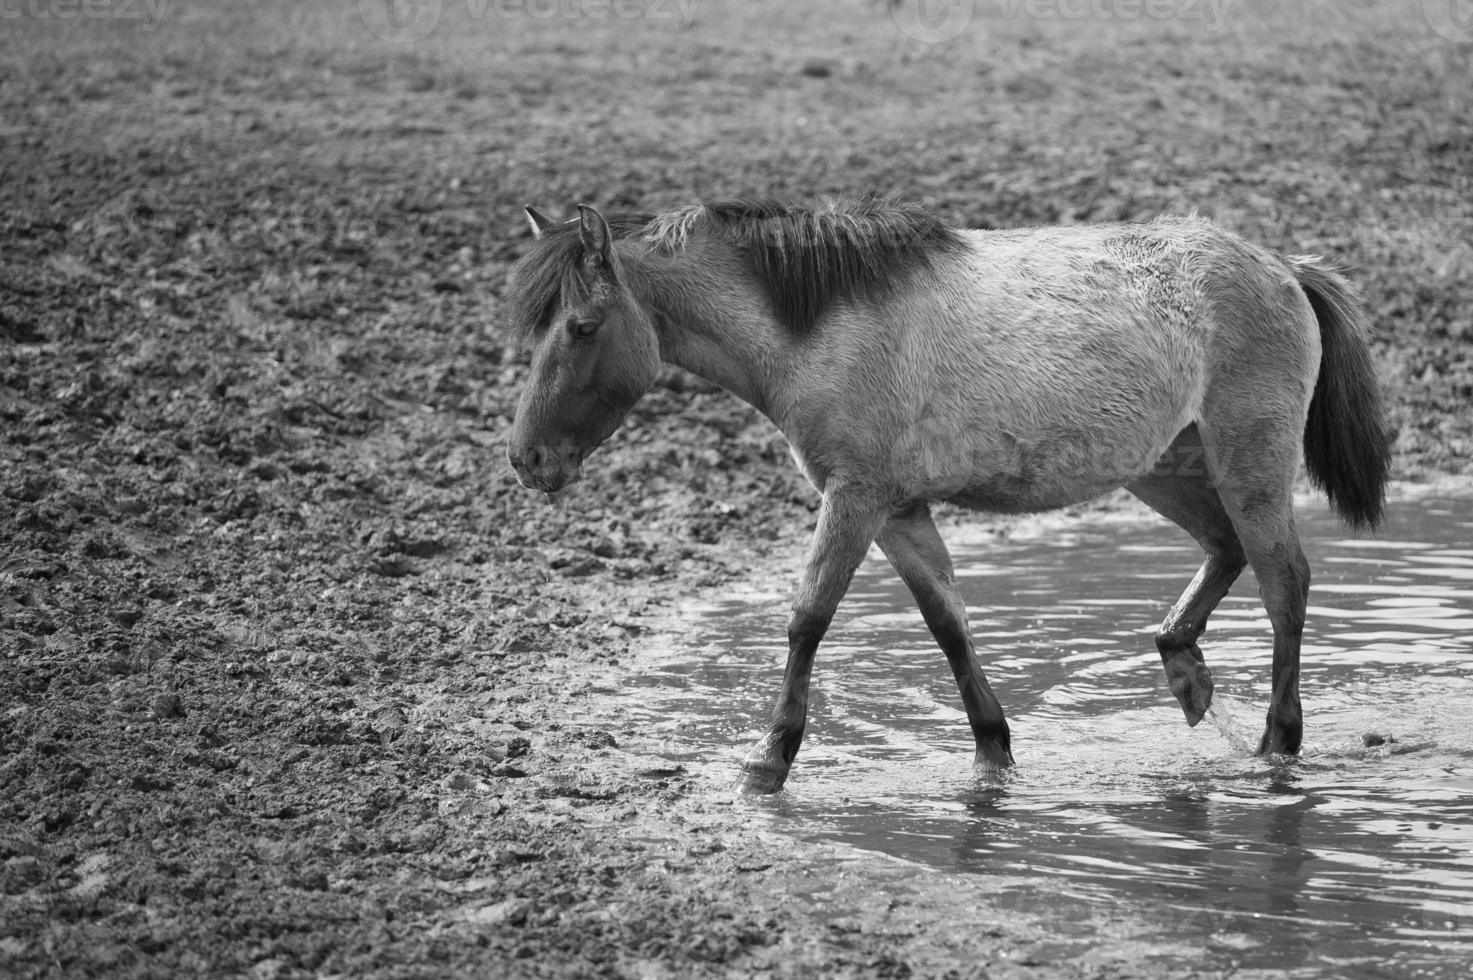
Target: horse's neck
(714,323)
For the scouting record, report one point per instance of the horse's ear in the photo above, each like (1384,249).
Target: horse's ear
(540,222)
(593,230)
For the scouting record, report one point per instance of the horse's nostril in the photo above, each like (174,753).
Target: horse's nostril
(526,457)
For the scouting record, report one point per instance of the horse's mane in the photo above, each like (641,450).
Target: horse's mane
(549,272)
(809,257)
(806,258)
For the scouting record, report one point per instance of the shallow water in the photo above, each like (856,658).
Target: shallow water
(1122,830)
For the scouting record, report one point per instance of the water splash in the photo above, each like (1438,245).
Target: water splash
(1222,720)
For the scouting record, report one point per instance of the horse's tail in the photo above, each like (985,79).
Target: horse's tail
(1347,445)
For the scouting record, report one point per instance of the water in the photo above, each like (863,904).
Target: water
(1121,829)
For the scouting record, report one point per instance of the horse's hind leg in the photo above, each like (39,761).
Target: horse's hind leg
(1283,583)
(910,541)
(1252,420)
(1254,461)
(1180,489)
(1258,495)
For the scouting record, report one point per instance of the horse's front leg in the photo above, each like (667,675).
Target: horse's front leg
(914,547)
(845,529)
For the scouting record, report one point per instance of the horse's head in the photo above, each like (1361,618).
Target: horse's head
(594,348)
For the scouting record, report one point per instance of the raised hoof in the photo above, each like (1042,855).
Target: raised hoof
(1191,682)
(761,777)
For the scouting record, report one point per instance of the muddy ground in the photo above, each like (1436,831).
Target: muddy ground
(290,667)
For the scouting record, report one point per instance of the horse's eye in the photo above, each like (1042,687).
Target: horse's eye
(586,328)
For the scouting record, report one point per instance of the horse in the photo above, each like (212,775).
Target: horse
(910,363)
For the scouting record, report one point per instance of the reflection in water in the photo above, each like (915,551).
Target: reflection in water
(1120,825)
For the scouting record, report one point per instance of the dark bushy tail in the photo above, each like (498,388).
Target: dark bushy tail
(1347,445)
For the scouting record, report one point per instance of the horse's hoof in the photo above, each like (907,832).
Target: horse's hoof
(1277,741)
(761,778)
(992,760)
(1191,682)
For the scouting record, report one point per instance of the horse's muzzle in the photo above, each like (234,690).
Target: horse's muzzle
(545,468)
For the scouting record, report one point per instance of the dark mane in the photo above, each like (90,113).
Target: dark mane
(548,272)
(806,258)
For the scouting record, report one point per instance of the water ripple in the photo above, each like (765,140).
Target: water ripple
(1120,824)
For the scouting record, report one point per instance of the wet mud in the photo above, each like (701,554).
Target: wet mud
(295,681)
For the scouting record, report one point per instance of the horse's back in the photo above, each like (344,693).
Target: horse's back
(1042,366)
